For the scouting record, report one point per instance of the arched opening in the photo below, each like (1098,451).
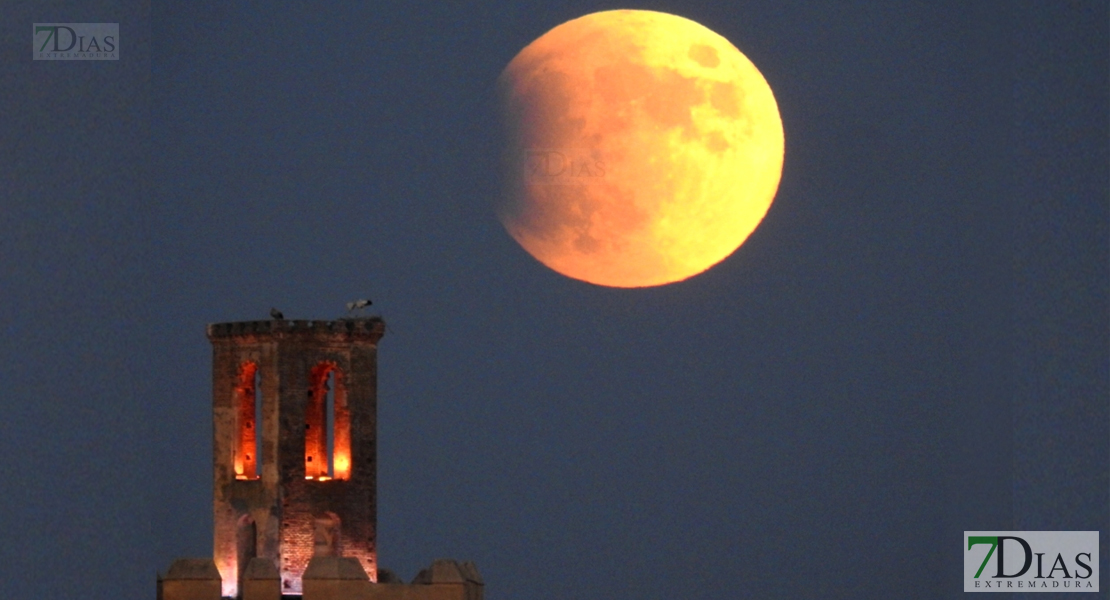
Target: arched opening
(327,434)
(257,423)
(248,403)
(246,540)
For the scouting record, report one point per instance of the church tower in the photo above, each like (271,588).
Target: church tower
(294,445)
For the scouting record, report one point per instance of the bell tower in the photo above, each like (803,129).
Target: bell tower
(294,415)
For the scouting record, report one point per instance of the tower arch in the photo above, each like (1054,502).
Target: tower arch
(246,463)
(327,425)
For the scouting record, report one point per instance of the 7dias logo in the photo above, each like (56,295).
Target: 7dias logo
(75,41)
(1030,561)
(563,166)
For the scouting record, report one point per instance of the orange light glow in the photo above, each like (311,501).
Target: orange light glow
(318,464)
(315,432)
(244,463)
(342,465)
(642,148)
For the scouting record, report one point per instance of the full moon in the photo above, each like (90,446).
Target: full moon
(641,148)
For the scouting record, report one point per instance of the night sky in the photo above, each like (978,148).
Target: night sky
(914,343)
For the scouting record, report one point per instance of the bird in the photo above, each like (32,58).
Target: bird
(276,314)
(358,305)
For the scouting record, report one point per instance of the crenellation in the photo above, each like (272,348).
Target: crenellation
(369,329)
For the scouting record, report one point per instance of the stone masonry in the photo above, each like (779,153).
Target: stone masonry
(293,501)
(294,457)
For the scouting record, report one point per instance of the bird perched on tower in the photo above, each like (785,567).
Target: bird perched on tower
(358,305)
(276,314)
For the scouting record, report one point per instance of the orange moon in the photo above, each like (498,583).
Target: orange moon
(641,148)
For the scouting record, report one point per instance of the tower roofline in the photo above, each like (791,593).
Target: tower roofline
(369,329)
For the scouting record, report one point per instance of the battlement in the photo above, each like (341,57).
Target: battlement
(370,329)
(326,578)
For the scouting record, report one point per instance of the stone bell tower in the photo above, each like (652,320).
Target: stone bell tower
(294,445)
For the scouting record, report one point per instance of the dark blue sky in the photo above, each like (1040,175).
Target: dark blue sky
(914,343)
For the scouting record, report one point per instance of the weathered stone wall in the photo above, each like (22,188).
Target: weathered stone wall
(337,578)
(190,579)
(261,581)
(283,506)
(290,529)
